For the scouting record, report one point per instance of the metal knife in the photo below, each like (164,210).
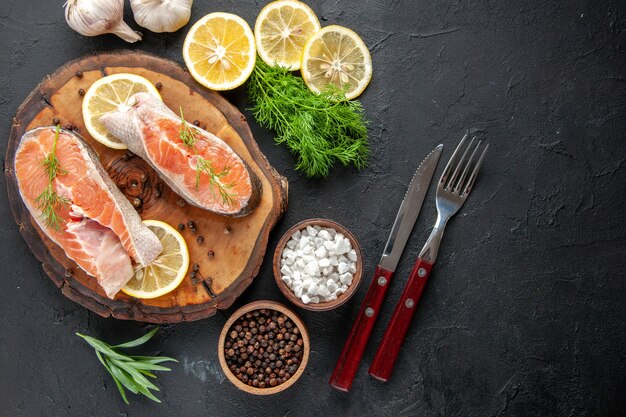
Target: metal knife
(352,352)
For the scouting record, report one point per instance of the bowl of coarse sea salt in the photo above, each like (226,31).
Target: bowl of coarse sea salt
(318,264)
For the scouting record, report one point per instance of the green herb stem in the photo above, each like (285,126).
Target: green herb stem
(188,137)
(49,201)
(129,371)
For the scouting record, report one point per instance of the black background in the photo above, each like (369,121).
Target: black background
(524,314)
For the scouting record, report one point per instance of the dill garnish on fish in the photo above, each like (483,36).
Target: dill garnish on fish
(49,201)
(188,136)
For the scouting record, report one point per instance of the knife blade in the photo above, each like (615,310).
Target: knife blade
(409,210)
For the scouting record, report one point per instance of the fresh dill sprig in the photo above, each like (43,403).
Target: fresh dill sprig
(203,165)
(49,201)
(188,136)
(130,371)
(320,129)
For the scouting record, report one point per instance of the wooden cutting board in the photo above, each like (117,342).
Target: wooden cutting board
(230,252)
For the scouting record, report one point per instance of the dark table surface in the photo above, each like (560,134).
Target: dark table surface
(524,314)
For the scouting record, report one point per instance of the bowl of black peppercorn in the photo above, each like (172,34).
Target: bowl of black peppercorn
(263,348)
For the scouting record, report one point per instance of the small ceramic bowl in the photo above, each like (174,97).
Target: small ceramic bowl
(356,279)
(267,305)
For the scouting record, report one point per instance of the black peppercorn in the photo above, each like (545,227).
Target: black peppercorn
(158,85)
(81,92)
(200,239)
(79,74)
(181,227)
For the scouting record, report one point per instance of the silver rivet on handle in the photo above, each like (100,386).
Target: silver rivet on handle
(382,281)
(369,311)
(421,272)
(409,303)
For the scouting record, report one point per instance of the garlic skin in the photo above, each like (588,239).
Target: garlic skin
(161,15)
(97,17)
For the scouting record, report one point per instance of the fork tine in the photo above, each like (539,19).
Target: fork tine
(448,168)
(455,174)
(472,178)
(460,184)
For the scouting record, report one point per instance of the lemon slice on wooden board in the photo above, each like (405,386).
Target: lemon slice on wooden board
(108,94)
(336,55)
(219,51)
(167,271)
(282,29)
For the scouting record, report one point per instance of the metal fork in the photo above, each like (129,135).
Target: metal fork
(454,186)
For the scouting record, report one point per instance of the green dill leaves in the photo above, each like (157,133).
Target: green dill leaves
(130,372)
(49,201)
(320,129)
(187,135)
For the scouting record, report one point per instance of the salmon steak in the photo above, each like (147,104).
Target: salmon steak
(98,228)
(199,166)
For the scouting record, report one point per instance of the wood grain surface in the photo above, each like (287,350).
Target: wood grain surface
(230,250)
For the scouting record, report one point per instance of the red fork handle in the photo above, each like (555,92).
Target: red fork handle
(392,341)
(352,352)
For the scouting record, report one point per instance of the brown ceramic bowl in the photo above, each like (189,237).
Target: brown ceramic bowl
(268,305)
(356,279)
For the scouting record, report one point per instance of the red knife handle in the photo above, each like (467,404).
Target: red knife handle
(392,341)
(352,352)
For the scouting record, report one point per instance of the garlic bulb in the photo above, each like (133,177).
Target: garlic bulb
(96,17)
(161,15)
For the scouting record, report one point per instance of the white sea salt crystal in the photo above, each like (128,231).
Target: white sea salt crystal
(334,261)
(343,259)
(323,291)
(346,278)
(331,297)
(352,255)
(331,232)
(352,267)
(305,299)
(285,270)
(334,276)
(315,299)
(331,286)
(330,246)
(296,235)
(292,244)
(297,290)
(327,271)
(321,253)
(304,241)
(324,262)
(312,268)
(296,276)
(287,280)
(342,267)
(323,234)
(311,231)
(318,241)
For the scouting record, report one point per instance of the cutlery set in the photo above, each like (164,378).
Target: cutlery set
(455,184)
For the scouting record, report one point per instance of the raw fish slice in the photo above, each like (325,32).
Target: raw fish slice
(152,131)
(111,264)
(100,230)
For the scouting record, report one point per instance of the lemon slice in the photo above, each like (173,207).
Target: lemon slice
(108,94)
(219,51)
(282,29)
(336,55)
(167,271)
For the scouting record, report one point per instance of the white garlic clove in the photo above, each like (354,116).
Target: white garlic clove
(97,17)
(161,15)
